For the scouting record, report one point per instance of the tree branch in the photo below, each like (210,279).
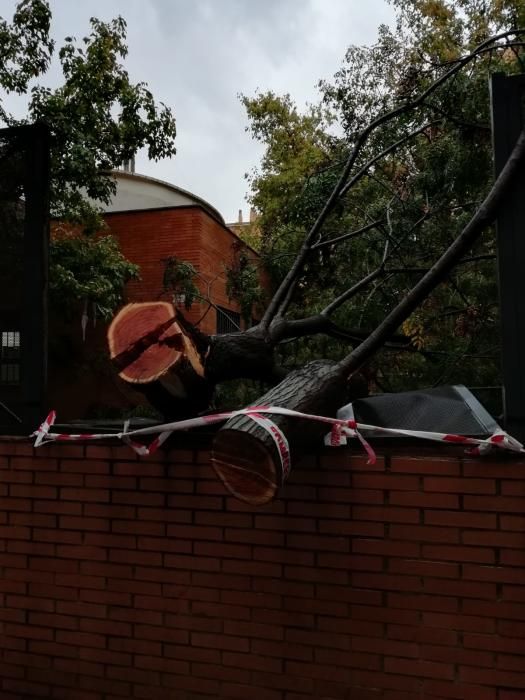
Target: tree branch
(484,216)
(349,293)
(319,324)
(345,236)
(423,270)
(389,149)
(282,296)
(458,122)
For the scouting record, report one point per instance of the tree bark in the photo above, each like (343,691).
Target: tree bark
(245,355)
(241,447)
(244,454)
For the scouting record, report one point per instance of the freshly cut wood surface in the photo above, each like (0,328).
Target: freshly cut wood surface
(244,453)
(145,341)
(245,466)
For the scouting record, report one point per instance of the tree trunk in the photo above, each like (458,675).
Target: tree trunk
(245,355)
(176,366)
(145,341)
(244,454)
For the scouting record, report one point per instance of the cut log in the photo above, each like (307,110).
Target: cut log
(244,454)
(175,365)
(155,353)
(145,341)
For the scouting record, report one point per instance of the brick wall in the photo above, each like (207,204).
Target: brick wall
(81,384)
(122,578)
(150,236)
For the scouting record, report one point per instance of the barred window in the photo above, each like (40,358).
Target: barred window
(227,321)
(10,358)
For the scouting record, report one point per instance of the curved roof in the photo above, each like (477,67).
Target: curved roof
(139,192)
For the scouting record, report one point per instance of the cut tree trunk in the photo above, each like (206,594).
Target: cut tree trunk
(145,341)
(176,366)
(244,454)
(150,350)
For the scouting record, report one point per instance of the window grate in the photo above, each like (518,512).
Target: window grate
(227,321)
(10,358)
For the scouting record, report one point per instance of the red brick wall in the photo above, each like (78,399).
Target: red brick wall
(83,387)
(148,237)
(122,578)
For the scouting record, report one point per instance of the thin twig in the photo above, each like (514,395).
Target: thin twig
(349,293)
(345,236)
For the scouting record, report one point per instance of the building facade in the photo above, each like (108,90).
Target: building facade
(155,222)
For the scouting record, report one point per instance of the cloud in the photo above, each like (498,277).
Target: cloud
(197,55)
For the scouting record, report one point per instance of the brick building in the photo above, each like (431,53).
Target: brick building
(154,221)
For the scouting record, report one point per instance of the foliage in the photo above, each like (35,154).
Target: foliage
(179,278)
(287,188)
(89,269)
(243,284)
(419,196)
(97,119)
(251,235)
(25,47)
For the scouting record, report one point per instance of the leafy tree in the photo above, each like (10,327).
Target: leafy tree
(25,47)
(298,147)
(97,119)
(407,206)
(243,284)
(90,269)
(179,278)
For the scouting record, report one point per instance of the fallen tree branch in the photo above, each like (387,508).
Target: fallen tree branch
(484,216)
(244,451)
(319,324)
(345,236)
(283,295)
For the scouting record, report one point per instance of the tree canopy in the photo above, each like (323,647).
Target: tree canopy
(404,208)
(97,118)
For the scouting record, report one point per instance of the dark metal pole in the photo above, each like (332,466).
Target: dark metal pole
(507,100)
(25,167)
(34,340)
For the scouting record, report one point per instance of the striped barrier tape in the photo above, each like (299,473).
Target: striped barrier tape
(340,431)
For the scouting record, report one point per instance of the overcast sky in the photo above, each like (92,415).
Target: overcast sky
(197,55)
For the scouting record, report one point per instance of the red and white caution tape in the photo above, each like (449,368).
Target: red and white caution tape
(341,429)
(279,438)
(43,431)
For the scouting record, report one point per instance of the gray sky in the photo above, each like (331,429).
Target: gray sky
(197,55)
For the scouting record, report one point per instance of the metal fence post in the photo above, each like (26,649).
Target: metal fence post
(507,103)
(24,242)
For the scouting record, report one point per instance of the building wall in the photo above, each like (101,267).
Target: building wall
(189,233)
(148,238)
(81,384)
(216,255)
(123,578)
